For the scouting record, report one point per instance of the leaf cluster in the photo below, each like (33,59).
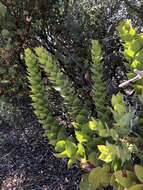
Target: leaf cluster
(103,147)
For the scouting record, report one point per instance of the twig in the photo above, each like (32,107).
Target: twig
(137,77)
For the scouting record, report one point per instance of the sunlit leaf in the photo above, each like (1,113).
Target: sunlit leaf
(71,148)
(60,146)
(80,151)
(81,137)
(70,163)
(93,125)
(63,154)
(105,153)
(135,64)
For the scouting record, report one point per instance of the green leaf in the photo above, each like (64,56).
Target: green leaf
(85,129)
(116,165)
(70,163)
(136,187)
(96,46)
(106,168)
(110,152)
(105,157)
(80,151)
(123,153)
(114,134)
(136,64)
(92,158)
(81,137)
(76,125)
(126,180)
(105,153)
(113,182)
(63,154)
(103,133)
(51,135)
(53,142)
(80,118)
(98,178)
(139,56)
(93,125)
(125,120)
(71,148)
(116,99)
(126,31)
(129,53)
(120,108)
(133,48)
(139,172)
(60,146)
(54,127)
(132,32)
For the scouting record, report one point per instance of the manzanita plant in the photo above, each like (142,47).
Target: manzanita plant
(102,146)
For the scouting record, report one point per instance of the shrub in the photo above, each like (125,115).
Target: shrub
(102,146)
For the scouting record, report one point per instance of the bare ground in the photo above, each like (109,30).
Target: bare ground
(26,159)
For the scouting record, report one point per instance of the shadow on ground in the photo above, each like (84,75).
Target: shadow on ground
(26,159)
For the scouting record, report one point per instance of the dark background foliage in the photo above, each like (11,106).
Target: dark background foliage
(65,28)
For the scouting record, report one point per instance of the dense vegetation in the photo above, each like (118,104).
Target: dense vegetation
(83,62)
